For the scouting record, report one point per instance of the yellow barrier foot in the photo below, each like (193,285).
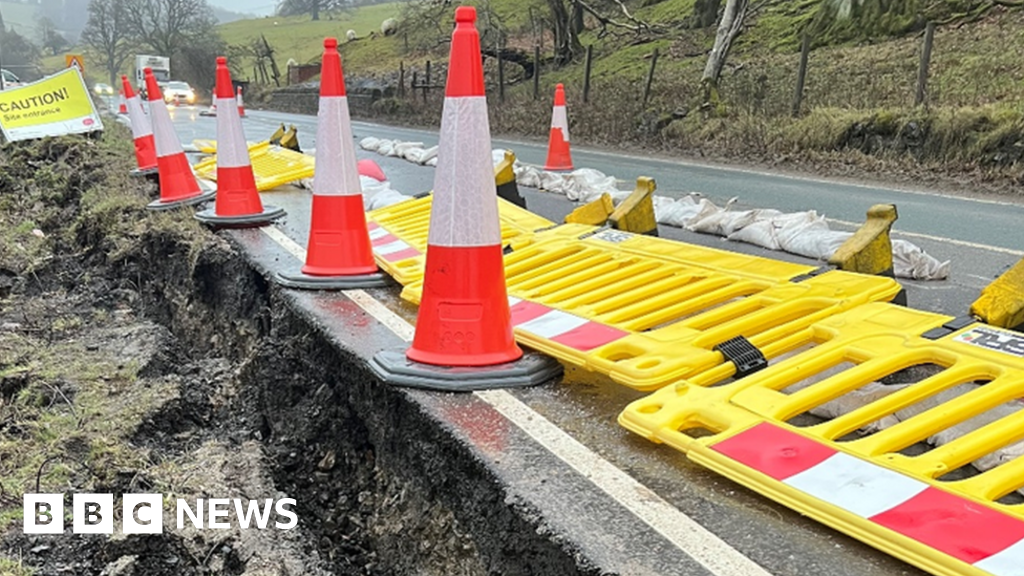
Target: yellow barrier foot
(291,139)
(275,138)
(636,213)
(869,250)
(1002,302)
(505,180)
(595,213)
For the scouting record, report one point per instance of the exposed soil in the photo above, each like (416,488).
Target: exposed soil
(139,353)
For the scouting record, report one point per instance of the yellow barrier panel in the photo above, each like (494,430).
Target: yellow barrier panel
(647,311)
(865,471)
(272,166)
(399,234)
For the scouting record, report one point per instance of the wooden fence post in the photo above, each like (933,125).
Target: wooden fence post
(501,77)
(650,76)
(801,74)
(586,73)
(536,71)
(426,82)
(401,79)
(922,71)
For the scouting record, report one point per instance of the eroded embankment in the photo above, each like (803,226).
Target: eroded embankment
(141,353)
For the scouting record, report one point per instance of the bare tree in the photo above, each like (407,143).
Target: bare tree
(168,26)
(107,33)
(49,37)
(312,7)
(729,27)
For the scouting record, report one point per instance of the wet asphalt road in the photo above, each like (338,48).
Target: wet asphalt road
(980,238)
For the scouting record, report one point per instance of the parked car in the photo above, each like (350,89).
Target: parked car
(179,92)
(101,89)
(9,79)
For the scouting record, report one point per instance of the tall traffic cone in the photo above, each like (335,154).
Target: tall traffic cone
(142,132)
(463,334)
(241,105)
(559,157)
(178,185)
(238,203)
(339,254)
(121,107)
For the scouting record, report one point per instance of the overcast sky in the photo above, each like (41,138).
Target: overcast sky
(258,7)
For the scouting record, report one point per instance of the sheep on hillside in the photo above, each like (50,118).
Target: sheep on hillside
(389,27)
(351,35)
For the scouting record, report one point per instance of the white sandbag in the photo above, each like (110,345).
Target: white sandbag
(378,194)
(910,261)
(683,211)
(810,239)
(370,143)
(765,232)
(408,150)
(428,154)
(725,222)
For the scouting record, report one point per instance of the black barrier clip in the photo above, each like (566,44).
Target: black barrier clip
(744,355)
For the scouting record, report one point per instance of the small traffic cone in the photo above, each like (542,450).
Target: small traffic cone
(463,337)
(122,108)
(142,132)
(212,110)
(178,185)
(241,105)
(238,203)
(559,157)
(339,254)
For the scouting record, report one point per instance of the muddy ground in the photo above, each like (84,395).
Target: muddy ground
(140,353)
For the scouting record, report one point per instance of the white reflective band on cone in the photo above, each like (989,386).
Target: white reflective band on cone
(138,119)
(232,150)
(336,173)
(471,217)
(166,138)
(560,120)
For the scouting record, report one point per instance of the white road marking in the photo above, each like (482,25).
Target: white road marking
(710,551)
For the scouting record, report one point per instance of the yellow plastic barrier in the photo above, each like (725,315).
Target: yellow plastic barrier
(399,234)
(272,166)
(648,311)
(925,505)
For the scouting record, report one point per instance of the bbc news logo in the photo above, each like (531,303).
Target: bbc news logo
(144,514)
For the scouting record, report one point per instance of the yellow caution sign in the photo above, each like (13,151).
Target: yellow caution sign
(56,105)
(648,311)
(923,378)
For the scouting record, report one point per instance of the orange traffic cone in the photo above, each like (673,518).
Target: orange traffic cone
(121,108)
(339,255)
(178,185)
(464,319)
(238,203)
(559,157)
(142,132)
(370,169)
(212,110)
(241,105)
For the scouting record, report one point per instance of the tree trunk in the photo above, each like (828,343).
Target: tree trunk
(705,13)
(577,18)
(729,28)
(316,9)
(567,43)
